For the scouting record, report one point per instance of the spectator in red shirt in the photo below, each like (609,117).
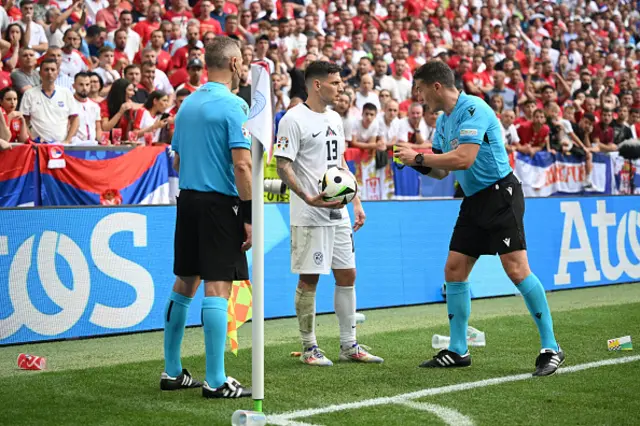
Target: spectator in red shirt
(108,17)
(12,118)
(178,14)
(164,62)
(534,136)
(475,82)
(120,57)
(117,109)
(152,23)
(604,132)
(181,75)
(194,69)
(207,23)
(193,40)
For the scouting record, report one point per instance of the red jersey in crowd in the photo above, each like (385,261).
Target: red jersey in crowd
(529,136)
(15,126)
(144,29)
(5,79)
(163,61)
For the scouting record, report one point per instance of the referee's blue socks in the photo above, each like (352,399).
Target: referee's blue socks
(175,318)
(459,309)
(214,319)
(536,301)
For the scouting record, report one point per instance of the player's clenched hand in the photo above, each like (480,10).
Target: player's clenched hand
(247,233)
(405,154)
(360,217)
(318,201)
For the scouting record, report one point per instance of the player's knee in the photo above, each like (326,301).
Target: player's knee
(455,272)
(345,277)
(308,282)
(517,272)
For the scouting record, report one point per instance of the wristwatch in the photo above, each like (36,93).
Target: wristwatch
(419,159)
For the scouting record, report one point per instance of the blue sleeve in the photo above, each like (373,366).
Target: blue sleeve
(237,132)
(473,124)
(437,142)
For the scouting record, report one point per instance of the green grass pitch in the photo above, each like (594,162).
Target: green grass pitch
(114,381)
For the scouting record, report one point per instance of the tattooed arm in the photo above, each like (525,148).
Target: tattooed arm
(288,176)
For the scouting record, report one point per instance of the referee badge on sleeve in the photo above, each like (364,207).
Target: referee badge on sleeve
(246,133)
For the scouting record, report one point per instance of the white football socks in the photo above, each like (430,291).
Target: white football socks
(345,306)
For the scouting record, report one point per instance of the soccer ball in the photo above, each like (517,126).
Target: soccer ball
(339,184)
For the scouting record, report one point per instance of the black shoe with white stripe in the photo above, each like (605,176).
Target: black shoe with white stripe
(183,381)
(229,389)
(548,362)
(447,359)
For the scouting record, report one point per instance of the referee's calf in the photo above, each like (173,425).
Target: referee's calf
(213,225)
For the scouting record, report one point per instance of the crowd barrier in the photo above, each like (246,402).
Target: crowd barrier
(53,175)
(87,271)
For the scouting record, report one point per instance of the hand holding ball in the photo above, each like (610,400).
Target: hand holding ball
(339,184)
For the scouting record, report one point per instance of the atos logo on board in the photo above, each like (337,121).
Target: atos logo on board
(73,299)
(623,242)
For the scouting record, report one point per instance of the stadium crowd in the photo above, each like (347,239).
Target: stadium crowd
(561,75)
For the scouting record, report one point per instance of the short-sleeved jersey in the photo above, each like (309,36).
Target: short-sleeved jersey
(473,121)
(210,123)
(314,142)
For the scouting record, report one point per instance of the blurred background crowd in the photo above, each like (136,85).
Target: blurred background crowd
(562,76)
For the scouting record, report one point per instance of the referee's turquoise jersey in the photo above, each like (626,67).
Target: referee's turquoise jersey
(473,121)
(211,121)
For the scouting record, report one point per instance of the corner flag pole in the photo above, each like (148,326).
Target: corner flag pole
(260,124)
(257,281)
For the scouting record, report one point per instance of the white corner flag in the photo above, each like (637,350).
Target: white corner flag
(260,125)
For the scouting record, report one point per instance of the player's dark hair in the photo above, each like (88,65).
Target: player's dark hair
(369,107)
(320,70)
(547,87)
(435,72)
(538,111)
(590,117)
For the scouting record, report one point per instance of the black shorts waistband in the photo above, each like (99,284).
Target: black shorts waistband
(494,186)
(214,196)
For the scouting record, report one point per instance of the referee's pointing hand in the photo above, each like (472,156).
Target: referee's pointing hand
(404,153)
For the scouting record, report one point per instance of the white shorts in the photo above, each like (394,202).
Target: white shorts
(319,249)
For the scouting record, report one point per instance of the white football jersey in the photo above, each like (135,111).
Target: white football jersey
(314,142)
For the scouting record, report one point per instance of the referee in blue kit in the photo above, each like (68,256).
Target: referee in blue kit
(469,142)
(213,224)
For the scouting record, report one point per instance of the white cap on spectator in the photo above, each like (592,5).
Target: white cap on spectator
(439,50)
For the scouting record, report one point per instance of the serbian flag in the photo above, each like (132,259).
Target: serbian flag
(17,177)
(239,311)
(139,176)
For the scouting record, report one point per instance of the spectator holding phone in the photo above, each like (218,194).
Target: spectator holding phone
(152,118)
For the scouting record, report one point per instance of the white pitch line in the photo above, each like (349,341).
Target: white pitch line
(281,419)
(449,416)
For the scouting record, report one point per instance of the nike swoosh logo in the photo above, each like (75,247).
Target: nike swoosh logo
(314,135)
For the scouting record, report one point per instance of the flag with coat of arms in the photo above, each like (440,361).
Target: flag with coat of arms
(260,126)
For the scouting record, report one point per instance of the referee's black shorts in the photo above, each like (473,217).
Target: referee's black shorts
(209,235)
(491,221)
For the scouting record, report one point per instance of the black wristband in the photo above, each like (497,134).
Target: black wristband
(422,169)
(245,211)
